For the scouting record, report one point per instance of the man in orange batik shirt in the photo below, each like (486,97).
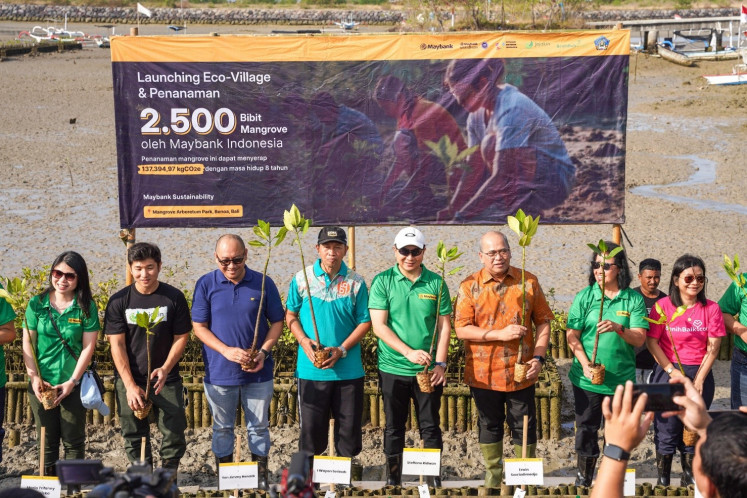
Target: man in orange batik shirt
(488,320)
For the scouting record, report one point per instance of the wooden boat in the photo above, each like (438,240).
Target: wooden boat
(673,56)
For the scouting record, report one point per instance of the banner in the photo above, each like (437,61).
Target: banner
(371,129)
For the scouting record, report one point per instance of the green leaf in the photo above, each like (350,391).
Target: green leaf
(264,226)
(678,312)
(305,226)
(288,220)
(614,252)
(660,320)
(142,320)
(595,249)
(280,235)
(602,246)
(524,241)
(455,270)
(533,226)
(296,216)
(154,314)
(514,224)
(255,243)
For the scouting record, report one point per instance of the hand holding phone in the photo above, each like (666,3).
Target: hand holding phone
(659,396)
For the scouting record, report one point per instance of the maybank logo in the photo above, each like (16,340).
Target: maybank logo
(430,297)
(602,43)
(439,46)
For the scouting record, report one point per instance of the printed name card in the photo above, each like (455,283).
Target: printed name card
(240,475)
(47,485)
(421,461)
(524,471)
(423,491)
(332,470)
(629,484)
(519,493)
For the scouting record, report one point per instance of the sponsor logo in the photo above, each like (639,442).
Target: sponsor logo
(602,43)
(430,297)
(623,313)
(484,44)
(529,45)
(73,320)
(436,46)
(697,323)
(343,288)
(500,45)
(534,44)
(568,45)
(464,45)
(511,44)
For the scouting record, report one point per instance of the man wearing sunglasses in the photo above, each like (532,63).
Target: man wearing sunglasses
(406,314)
(489,320)
(130,356)
(224,314)
(340,299)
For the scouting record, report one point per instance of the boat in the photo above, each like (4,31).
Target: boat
(347,25)
(738,76)
(53,33)
(673,56)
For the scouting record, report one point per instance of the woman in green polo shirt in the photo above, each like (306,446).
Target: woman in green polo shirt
(62,325)
(621,329)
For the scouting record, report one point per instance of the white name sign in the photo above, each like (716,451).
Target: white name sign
(421,462)
(423,491)
(524,471)
(48,485)
(241,475)
(629,484)
(332,470)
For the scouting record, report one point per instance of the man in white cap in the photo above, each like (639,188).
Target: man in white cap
(405,315)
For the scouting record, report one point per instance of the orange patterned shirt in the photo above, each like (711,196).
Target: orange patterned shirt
(491,304)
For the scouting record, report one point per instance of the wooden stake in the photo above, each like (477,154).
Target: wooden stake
(616,234)
(41,451)
(524,437)
(237,459)
(331,443)
(422,445)
(351,248)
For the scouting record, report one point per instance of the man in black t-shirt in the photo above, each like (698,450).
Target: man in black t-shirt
(129,352)
(649,274)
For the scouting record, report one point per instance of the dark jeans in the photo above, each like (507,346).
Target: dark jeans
(397,390)
(588,408)
(169,409)
(491,407)
(738,379)
(65,422)
(668,431)
(341,398)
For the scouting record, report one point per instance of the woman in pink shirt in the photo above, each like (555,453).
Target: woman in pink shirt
(697,337)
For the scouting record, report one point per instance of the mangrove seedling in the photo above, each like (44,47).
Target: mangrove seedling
(148,322)
(444,256)
(449,154)
(525,227)
(296,223)
(597,370)
(735,273)
(264,239)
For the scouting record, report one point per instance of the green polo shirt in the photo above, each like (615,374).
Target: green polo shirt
(6,315)
(55,361)
(412,314)
(618,357)
(732,302)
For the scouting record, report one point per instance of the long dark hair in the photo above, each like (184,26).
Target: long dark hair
(621,261)
(683,263)
(82,284)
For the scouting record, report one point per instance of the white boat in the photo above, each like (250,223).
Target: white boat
(737,77)
(53,33)
(347,25)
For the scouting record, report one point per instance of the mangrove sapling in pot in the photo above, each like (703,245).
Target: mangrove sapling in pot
(265,239)
(597,370)
(148,322)
(688,437)
(444,256)
(525,227)
(46,391)
(296,223)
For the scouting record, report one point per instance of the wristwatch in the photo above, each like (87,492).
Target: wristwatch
(266,353)
(75,381)
(670,370)
(539,358)
(615,452)
(441,364)
(343,351)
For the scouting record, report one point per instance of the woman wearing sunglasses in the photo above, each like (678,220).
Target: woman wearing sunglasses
(60,332)
(697,333)
(621,329)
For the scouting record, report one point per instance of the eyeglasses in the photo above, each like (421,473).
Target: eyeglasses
(57,274)
(701,279)
(500,252)
(410,252)
(226,262)
(596,264)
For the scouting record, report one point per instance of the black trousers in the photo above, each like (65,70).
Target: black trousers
(491,408)
(397,390)
(343,399)
(588,408)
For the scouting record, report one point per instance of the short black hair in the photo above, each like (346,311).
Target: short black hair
(620,260)
(681,264)
(723,455)
(141,251)
(649,264)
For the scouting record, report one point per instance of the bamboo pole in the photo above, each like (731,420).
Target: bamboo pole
(374,409)
(142,449)
(461,420)
(41,450)
(11,404)
(206,420)
(331,447)
(237,458)
(524,437)
(538,416)
(545,405)
(197,408)
(351,248)
(617,233)
(451,401)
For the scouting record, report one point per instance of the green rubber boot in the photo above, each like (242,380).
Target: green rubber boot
(492,453)
(531,450)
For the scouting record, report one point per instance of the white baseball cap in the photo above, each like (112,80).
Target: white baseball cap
(409,236)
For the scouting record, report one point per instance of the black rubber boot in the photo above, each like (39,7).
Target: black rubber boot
(585,474)
(687,469)
(220,460)
(433,481)
(663,468)
(50,470)
(171,464)
(73,489)
(262,471)
(394,470)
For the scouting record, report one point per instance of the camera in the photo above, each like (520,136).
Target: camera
(137,480)
(296,480)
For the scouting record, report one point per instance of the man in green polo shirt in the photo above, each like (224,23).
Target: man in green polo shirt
(7,334)
(405,315)
(732,302)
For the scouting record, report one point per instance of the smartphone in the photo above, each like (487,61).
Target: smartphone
(716,413)
(79,471)
(659,396)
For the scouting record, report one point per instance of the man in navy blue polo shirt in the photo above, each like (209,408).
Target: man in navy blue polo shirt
(224,313)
